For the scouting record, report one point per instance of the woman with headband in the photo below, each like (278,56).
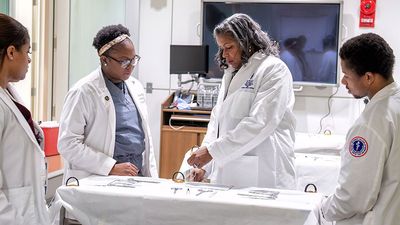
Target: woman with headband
(22,162)
(104,123)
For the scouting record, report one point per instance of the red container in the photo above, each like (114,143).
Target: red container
(50,140)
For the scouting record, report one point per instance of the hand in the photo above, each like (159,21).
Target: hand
(197,174)
(124,169)
(200,157)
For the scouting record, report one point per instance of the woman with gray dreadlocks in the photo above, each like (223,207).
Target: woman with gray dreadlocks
(250,137)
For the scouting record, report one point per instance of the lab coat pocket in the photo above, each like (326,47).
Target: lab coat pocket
(239,105)
(22,200)
(240,172)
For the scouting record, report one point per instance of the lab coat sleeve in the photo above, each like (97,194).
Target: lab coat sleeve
(152,160)
(149,165)
(8,214)
(211,131)
(211,134)
(71,144)
(271,102)
(152,164)
(360,177)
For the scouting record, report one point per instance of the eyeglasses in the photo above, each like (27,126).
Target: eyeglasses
(125,63)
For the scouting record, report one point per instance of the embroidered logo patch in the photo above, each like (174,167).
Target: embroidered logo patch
(249,84)
(358,146)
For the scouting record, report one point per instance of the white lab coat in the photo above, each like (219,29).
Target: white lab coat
(256,127)
(23,171)
(87,128)
(369,185)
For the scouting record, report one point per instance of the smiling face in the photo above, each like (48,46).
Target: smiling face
(356,85)
(113,58)
(230,50)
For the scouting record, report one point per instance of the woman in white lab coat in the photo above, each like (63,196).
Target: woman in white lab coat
(22,161)
(250,136)
(93,121)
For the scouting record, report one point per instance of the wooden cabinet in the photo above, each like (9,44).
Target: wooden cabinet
(180,130)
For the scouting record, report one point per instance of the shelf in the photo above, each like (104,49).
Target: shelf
(191,118)
(197,111)
(185,129)
(180,130)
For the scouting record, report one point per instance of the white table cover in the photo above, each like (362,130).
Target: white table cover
(96,201)
(320,170)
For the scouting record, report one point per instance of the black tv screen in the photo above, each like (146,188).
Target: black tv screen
(308,35)
(188,59)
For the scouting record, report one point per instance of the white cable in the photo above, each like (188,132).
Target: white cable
(329,111)
(172,127)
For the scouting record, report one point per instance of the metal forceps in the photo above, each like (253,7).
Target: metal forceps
(201,191)
(175,189)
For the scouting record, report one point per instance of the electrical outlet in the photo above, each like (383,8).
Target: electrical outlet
(149,88)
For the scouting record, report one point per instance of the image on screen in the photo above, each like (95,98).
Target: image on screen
(307,33)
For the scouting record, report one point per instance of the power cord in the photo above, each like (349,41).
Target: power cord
(172,127)
(329,112)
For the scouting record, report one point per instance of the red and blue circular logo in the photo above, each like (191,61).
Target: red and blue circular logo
(358,146)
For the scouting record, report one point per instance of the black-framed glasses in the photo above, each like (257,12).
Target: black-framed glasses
(125,63)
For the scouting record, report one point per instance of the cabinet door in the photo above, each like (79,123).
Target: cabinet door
(201,137)
(174,145)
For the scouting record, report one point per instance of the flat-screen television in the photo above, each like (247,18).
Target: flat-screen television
(188,59)
(308,33)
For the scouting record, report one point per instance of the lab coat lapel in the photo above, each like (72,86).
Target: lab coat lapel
(137,99)
(227,80)
(18,114)
(139,102)
(245,73)
(106,99)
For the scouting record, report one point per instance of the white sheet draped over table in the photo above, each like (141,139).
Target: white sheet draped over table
(96,202)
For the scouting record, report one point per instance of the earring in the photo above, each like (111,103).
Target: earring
(105,64)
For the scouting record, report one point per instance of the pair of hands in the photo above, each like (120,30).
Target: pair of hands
(198,159)
(124,169)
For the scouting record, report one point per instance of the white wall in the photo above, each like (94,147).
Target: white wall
(22,11)
(154,41)
(163,22)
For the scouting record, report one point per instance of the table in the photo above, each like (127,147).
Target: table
(139,200)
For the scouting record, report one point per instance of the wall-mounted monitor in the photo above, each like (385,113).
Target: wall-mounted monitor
(308,33)
(188,59)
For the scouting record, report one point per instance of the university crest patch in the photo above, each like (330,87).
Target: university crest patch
(358,146)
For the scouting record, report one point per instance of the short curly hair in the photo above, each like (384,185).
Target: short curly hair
(368,52)
(107,34)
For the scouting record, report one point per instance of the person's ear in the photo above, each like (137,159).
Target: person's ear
(370,77)
(11,52)
(103,60)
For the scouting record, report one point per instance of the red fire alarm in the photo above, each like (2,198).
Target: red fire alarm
(367,13)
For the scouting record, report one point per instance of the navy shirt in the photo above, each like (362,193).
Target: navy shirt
(129,135)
